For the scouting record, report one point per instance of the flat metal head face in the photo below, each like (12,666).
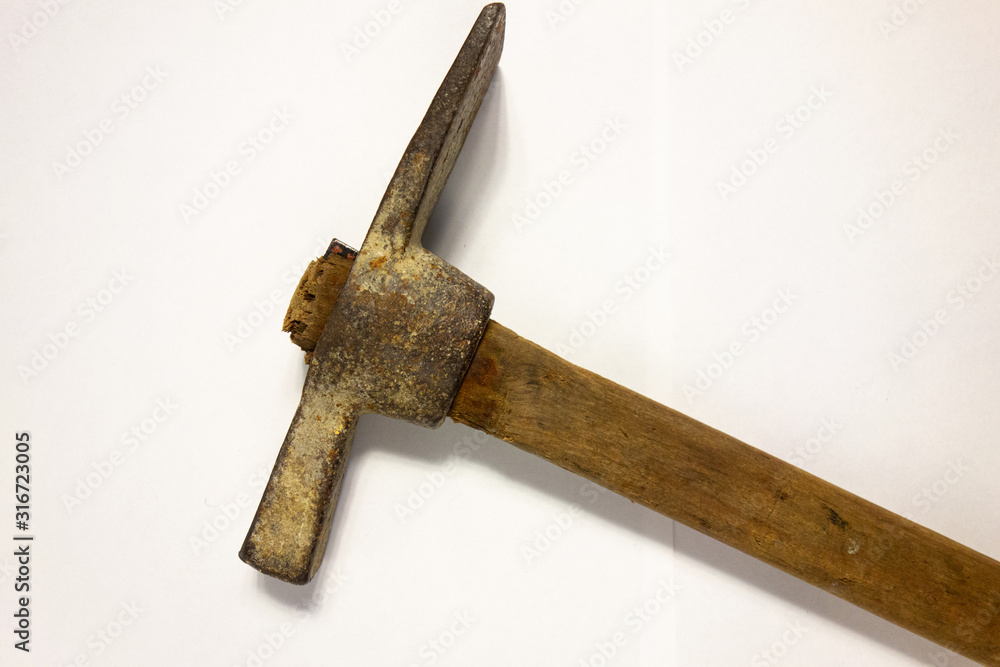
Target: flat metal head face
(401,334)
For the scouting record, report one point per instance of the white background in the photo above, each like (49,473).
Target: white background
(197,324)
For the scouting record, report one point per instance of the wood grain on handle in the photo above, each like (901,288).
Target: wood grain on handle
(740,495)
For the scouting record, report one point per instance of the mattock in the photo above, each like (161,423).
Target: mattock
(409,336)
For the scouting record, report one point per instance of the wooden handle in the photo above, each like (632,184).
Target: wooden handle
(746,498)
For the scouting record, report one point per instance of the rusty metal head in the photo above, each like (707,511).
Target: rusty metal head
(399,338)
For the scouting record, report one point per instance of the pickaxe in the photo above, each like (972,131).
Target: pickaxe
(409,336)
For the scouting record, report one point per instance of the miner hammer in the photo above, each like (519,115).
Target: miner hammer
(403,333)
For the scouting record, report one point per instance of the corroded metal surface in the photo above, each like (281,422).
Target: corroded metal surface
(401,334)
